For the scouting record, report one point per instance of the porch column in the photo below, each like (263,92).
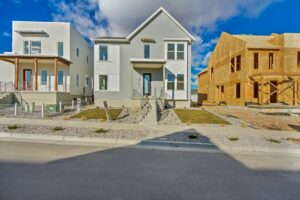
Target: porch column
(295,93)
(36,74)
(55,75)
(262,91)
(17,74)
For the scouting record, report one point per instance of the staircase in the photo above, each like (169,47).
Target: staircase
(7,98)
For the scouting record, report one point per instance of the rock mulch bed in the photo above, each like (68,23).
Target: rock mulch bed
(80,132)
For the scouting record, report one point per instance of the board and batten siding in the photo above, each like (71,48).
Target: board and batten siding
(111,68)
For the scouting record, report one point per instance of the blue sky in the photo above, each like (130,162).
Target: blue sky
(204,19)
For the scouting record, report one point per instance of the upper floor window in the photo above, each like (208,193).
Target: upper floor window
(146,50)
(180,51)
(103,54)
(86,81)
(238,63)
(211,73)
(271,60)
(60,49)
(232,64)
(32,47)
(171,82)
(77,52)
(60,77)
(298,59)
(44,75)
(256,60)
(180,81)
(171,51)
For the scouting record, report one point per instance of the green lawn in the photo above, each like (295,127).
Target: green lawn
(97,113)
(198,116)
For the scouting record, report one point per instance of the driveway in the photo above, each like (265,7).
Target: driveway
(46,171)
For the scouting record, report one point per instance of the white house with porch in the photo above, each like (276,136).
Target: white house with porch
(52,62)
(153,62)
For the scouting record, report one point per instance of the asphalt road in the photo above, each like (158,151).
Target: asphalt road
(42,171)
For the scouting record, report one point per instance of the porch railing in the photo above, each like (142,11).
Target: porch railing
(7,86)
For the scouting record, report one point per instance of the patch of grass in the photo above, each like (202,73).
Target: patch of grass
(295,140)
(12,127)
(273,140)
(101,130)
(193,136)
(233,139)
(97,113)
(198,116)
(57,128)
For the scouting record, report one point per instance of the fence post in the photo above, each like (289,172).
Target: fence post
(16,109)
(60,107)
(73,102)
(43,110)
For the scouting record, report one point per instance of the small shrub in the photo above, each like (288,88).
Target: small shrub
(193,136)
(273,140)
(57,128)
(233,139)
(295,140)
(12,127)
(100,130)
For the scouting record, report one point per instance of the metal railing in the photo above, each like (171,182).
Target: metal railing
(42,86)
(7,86)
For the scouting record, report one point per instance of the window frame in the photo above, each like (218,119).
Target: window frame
(105,83)
(173,51)
(238,90)
(77,52)
(44,82)
(145,45)
(271,61)
(106,58)
(31,47)
(182,82)
(238,63)
(170,81)
(28,47)
(255,60)
(60,72)
(232,65)
(255,89)
(183,51)
(77,80)
(58,49)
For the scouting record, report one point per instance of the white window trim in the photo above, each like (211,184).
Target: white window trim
(175,51)
(45,83)
(30,47)
(184,83)
(107,46)
(63,81)
(63,48)
(149,50)
(106,82)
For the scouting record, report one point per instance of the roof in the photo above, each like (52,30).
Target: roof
(202,72)
(257,41)
(143,25)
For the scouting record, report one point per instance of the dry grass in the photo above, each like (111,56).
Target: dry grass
(273,140)
(295,140)
(233,139)
(198,116)
(97,113)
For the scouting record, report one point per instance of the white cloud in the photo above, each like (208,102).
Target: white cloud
(6,34)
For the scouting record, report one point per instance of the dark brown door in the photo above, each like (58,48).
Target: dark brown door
(273,92)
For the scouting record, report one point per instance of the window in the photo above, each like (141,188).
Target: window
(222,89)
(180,51)
(44,75)
(60,77)
(180,81)
(60,49)
(102,82)
(238,63)
(170,83)
(77,52)
(255,90)
(77,80)
(35,47)
(171,51)
(26,47)
(298,60)
(238,90)
(271,60)
(232,64)
(256,61)
(86,81)
(211,73)
(87,60)
(103,53)
(147,51)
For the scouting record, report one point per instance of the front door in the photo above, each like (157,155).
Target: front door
(146,84)
(273,92)
(27,79)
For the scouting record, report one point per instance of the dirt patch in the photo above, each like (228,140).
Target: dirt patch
(259,120)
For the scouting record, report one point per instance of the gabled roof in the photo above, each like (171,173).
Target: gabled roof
(257,41)
(142,26)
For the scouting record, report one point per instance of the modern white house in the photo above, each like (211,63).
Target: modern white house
(154,61)
(51,62)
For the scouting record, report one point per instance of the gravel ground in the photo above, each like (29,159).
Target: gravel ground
(80,132)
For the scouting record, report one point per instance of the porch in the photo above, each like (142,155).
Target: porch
(37,73)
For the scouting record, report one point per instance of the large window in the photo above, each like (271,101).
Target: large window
(171,51)
(60,49)
(32,47)
(171,82)
(255,90)
(238,90)
(271,60)
(102,82)
(256,60)
(44,75)
(180,81)
(147,51)
(103,53)
(180,51)
(238,63)
(60,77)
